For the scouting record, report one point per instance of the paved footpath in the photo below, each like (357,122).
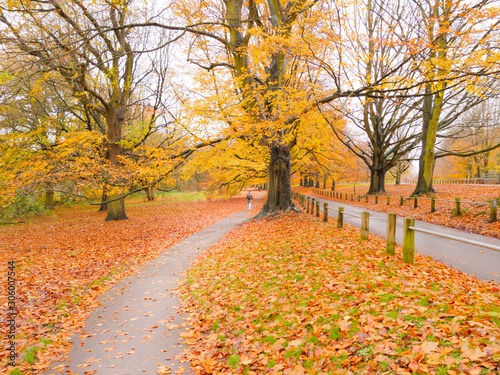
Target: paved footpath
(478,261)
(137,329)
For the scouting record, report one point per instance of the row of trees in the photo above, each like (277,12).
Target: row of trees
(95,98)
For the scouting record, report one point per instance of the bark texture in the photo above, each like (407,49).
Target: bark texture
(377,181)
(279,189)
(49,199)
(150,194)
(116,210)
(104,206)
(432,111)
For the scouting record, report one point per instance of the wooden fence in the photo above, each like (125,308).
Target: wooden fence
(491,178)
(482,180)
(457,211)
(312,206)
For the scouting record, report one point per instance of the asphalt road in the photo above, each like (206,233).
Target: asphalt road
(478,261)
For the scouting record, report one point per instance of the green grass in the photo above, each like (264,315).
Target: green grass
(186,196)
(30,354)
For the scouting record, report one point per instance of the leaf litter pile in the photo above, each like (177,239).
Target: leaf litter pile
(295,295)
(65,261)
(474,217)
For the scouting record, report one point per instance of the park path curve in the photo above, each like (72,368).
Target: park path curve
(138,328)
(478,261)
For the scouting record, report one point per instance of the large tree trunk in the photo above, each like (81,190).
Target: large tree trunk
(279,189)
(398,174)
(49,199)
(114,119)
(150,194)
(432,111)
(377,181)
(433,105)
(425,173)
(104,206)
(116,210)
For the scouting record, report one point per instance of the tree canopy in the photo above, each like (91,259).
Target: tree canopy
(101,99)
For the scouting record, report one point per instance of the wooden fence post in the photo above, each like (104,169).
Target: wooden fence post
(365,225)
(352,197)
(317,208)
(408,241)
(388,200)
(391,234)
(458,211)
(366,198)
(415,202)
(493,211)
(376,198)
(359,197)
(340,218)
(433,203)
(312,206)
(401,201)
(307,204)
(325,212)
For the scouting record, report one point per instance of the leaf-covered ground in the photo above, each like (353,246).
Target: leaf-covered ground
(295,295)
(473,219)
(66,260)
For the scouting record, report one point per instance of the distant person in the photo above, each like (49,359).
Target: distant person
(249,200)
(259,187)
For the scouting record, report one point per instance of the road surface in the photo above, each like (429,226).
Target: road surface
(481,262)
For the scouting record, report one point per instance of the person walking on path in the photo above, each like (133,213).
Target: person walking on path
(249,200)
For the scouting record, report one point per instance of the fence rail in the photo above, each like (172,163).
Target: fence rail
(455,238)
(481,180)
(409,228)
(490,178)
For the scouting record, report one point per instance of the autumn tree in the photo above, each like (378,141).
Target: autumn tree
(459,59)
(256,40)
(385,120)
(34,112)
(88,45)
(475,141)
(282,60)
(320,155)
(401,167)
